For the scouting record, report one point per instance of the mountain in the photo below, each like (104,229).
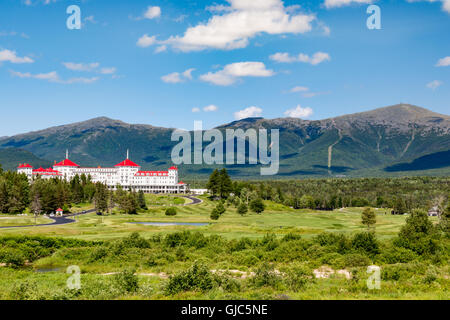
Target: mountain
(11,157)
(395,140)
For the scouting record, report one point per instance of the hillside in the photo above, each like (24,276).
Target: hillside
(386,141)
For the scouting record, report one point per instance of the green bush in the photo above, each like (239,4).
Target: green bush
(196,278)
(171,211)
(298,277)
(266,276)
(356,260)
(127,281)
(393,255)
(12,257)
(366,242)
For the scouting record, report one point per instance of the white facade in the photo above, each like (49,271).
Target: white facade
(126,174)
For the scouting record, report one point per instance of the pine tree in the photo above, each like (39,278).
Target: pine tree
(141,200)
(225,184)
(213,184)
(257,205)
(368,218)
(242,209)
(220,208)
(101,197)
(215,214)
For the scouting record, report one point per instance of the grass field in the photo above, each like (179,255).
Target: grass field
(9,220)
(293,250)
(277,219)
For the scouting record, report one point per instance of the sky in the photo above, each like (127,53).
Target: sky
(169,63)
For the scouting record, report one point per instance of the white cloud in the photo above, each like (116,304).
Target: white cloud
(195,109)
(340,3)
(234,25)
(81,66)
(8,55)
(160,49)
(177,77)
(299,112)
(444,62)
(89,67)
(248,113)
(445,3)
(53,77)
(111,70)
(172,78)
(299,89)
(434,84)
(152,12)
(317,58)
(146,41)
(234,71)
(188,73)
(211,108)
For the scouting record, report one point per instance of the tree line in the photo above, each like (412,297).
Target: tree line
(44,196)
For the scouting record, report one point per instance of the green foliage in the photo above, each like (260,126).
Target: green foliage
(266,276)
(141,200)
(127,281)
(242,209)
(196,278)
(366,242)
(257,206)
(368,217)
(171,211)
(298,277)
(419,234)
(220,183)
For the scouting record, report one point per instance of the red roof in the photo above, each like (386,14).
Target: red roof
(25,165)
(66,163)
(127,163)
(173,168)
(152,173)
(59,210)
(181,182)
(46,172)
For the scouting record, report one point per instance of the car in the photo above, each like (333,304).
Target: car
(99,213)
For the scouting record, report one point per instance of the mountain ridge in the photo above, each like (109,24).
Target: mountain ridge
(348,144)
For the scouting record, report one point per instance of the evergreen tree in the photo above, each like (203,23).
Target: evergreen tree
(368,218)
(101,197)
(141,200)
(225,184)
(215,214)
(213,184)
(242,209)
(257,205)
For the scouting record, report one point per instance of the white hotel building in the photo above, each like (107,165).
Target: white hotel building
(126,174)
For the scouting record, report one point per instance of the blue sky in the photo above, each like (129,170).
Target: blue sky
(168,63)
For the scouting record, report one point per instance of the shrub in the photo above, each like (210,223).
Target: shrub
(134,240)
(171,211)
(266,276)
(356,260)
(394,255)
(196,278)
(419,234)
(297,277)
(257,205)
(98,253)
(127,281)
(12,257)
(366,242)
(242,209)
(215,214)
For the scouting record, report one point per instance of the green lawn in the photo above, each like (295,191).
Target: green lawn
(10,220)
(276,219)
